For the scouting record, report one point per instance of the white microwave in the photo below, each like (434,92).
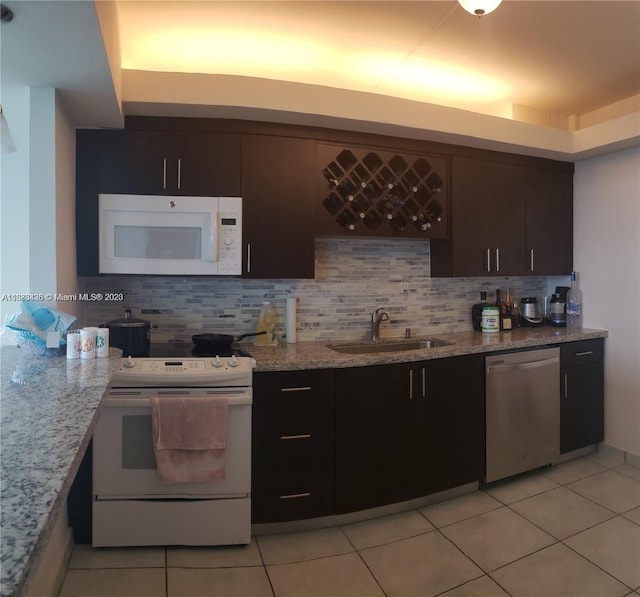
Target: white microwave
(168,235)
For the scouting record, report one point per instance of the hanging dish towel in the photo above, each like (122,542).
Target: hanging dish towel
(189,438)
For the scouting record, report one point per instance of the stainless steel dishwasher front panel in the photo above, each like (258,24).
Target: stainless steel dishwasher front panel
(523,412)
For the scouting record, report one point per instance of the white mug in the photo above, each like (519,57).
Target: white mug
(87,343)
(73,345)
(102,342)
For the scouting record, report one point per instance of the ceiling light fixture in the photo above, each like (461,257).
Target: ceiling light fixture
(479,7)
(6,14)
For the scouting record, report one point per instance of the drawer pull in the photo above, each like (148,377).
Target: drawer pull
(566,385)
(300,389)
(300,436)
(584,354)
(293,496)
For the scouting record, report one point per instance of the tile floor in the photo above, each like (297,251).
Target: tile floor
(568,531)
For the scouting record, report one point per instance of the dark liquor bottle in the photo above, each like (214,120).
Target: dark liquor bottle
(506,321)
(476,311)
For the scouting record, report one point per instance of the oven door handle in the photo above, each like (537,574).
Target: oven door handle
(117,402)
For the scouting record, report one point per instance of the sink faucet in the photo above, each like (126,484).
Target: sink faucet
(377,317)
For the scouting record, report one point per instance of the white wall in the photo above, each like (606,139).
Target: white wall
(14,200)
(607,259)
(37,200)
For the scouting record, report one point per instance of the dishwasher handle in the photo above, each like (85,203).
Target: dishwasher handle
(506,368)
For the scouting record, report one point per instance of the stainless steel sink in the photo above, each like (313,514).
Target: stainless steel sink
(390,346)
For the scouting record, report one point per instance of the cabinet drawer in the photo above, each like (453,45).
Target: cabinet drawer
(276,388)
(292,492)
(583,351)
(294,433)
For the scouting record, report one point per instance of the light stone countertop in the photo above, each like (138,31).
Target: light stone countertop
(48,408)
(316,355)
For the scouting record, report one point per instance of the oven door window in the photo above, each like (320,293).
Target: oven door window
(137,443)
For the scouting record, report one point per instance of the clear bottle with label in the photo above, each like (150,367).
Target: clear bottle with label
(574,304)
(267,324)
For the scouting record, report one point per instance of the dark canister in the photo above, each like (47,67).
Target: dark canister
(131,334)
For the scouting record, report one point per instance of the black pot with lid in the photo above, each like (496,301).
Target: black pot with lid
(131,334)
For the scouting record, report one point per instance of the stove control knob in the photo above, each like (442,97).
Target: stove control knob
(233,362)
(129,363)
(217,362)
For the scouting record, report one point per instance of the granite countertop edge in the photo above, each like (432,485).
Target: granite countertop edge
(48,409)
(317,355)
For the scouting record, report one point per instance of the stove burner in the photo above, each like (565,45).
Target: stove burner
(184,349)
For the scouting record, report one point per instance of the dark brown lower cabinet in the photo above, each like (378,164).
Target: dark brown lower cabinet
(293,445)
(407,430)
(581,394)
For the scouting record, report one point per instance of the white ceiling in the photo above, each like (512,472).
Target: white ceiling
(529,60)
(563,58)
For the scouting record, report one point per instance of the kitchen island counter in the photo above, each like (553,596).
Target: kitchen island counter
(317,355)
(48,407)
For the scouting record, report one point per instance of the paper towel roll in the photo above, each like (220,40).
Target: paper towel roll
(290,324)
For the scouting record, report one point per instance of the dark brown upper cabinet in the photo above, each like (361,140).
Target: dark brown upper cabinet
(152,162)
(367,191)
(508,219)
(277,189)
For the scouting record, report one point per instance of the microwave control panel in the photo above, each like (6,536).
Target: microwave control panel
(229,236)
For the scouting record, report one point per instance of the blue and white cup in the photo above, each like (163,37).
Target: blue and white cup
(102,342)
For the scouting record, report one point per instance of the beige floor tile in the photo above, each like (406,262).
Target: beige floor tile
(120,582)
(614,546)
(297,547)
(561,512)
(218,582)
(386,529)
(573,470)
(608,458)
(611,490)
(513,490)
(557,572)
(460,508)
(633,515)
(214,557)
(425,565)
(343,576)
(629,471)
(480,587)
(85,556)
(496,538)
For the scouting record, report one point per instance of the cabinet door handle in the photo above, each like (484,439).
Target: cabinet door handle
(424,383)
(293,496)
(566,385)
(410,384)
(299,436)
(164,174)
(298,389)
(488,260)
(531,259)
(248,258)
(497,260)
(584,353)
(179,173)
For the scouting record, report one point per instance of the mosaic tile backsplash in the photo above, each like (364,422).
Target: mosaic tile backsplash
(353,277)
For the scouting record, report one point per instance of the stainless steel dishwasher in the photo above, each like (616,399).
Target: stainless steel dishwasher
(523,411)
